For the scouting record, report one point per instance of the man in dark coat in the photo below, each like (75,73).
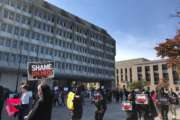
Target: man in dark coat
(100,104)
(78,106)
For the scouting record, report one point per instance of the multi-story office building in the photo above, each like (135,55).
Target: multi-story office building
(35,30)
(149,70)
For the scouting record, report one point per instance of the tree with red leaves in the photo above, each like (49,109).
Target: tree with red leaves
(170,49)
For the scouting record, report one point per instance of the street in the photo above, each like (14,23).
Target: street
(113,112)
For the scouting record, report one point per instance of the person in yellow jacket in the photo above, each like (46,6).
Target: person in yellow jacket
(74,104)
(70,98)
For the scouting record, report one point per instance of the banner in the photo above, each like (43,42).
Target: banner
(40,70)
(141,99)
(127,106)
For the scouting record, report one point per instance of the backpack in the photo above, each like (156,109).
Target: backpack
(164,100)
(174,99)
(70,98)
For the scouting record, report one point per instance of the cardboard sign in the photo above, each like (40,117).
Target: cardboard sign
(141,99)
(127,106)
(40,70)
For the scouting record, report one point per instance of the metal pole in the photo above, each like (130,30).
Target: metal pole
(19,66)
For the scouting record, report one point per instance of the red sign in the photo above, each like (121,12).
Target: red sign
(40,70)
(10,106)
(127,106)
(141,99)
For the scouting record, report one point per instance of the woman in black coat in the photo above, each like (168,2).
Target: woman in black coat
(43,107)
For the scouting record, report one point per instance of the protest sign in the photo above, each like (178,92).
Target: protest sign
(40,70)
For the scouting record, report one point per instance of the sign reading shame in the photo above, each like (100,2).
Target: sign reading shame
(40,70)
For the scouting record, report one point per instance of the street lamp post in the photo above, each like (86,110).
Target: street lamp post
(19,66)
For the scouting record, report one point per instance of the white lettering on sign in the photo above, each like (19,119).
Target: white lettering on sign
(41,67)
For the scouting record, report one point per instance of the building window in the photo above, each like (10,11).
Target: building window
(1,41)
(139,69)
(18,17)
(14,44)
(8,43)
(3,27)
(164,67)
(176,77)
(10,29)
(12,58)
(139,77)
(147,68)
(156,78)
(165,76)
(155,67)
(117,71)
(177,88)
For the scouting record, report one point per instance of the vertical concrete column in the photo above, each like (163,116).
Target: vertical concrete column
(160,71)
(128,74)
(152,76)
(124,78)
(134,73)
(171,82)
(143,73)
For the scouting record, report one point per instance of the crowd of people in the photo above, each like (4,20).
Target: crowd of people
(137,104)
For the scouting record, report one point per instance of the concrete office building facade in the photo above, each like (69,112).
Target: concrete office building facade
(35,30)
(143,69)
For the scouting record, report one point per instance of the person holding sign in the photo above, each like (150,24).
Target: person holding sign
(100,105)
(130,108)
(26,97)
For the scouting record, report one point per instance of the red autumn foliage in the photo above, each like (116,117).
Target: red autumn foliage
(170,49)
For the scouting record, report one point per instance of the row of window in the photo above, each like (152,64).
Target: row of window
(49,28)
(15,58)
(148,74)
(11,43)
(44,15)
(46,39)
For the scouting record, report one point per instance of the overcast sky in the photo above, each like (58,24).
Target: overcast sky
(136,25)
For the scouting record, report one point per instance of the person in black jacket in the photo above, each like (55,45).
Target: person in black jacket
(150,111)
(78,105)
(133,114)
(43,107)
(163,99)
(100,105)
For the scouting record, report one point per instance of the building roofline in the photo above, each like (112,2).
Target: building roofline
(133,60)
(152,62)
(76,18)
